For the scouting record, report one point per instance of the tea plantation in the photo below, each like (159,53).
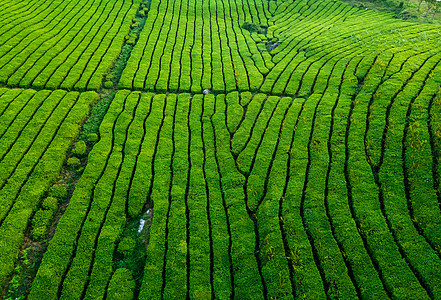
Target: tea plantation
(218,149)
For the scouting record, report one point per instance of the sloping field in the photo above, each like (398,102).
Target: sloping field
(243,149)
(196,45)
(36,131)
(334,36)
(252,186)
(61,44)
(203,45)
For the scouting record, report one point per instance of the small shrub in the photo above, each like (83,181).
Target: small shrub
(40,222)
(58,191)
(73,162)
(108,84)
(127,246)
(92,137)
(41,218)
(80,148)
(131,40)
(38,233)
(50,203)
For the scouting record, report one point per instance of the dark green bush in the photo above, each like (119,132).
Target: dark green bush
(251,27)
(126,246)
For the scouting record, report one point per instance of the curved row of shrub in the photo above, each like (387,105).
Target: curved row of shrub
(227,46)
(62,44)
(37,129)
(311,34)
(332,191)
(292,209)
(192,46)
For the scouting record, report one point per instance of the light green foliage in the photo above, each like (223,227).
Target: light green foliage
(79,149)
(58,191)
(74,44)
(33,162)
(108,84)
(206,48)
(43,217)
(50,203)
(286,150)
(287,183)
(40,223)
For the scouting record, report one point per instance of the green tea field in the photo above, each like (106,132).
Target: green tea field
(218,149)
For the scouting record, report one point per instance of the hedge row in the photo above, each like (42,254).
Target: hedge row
(398,191)
(274,252)
(219,231)
(64,44)
(38,154)
(337,197)
(309,33)
(58,259)
(369,209)
(156,260)
(193,46)
(247,283)
(256,196)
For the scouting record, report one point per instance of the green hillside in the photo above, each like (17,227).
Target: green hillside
(218,149)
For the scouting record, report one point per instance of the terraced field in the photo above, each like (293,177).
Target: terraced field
(61,44)
(37,129)
(235,149)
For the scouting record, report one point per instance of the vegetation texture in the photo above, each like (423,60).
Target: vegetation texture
(240,150)
(36,131)
(61,44)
